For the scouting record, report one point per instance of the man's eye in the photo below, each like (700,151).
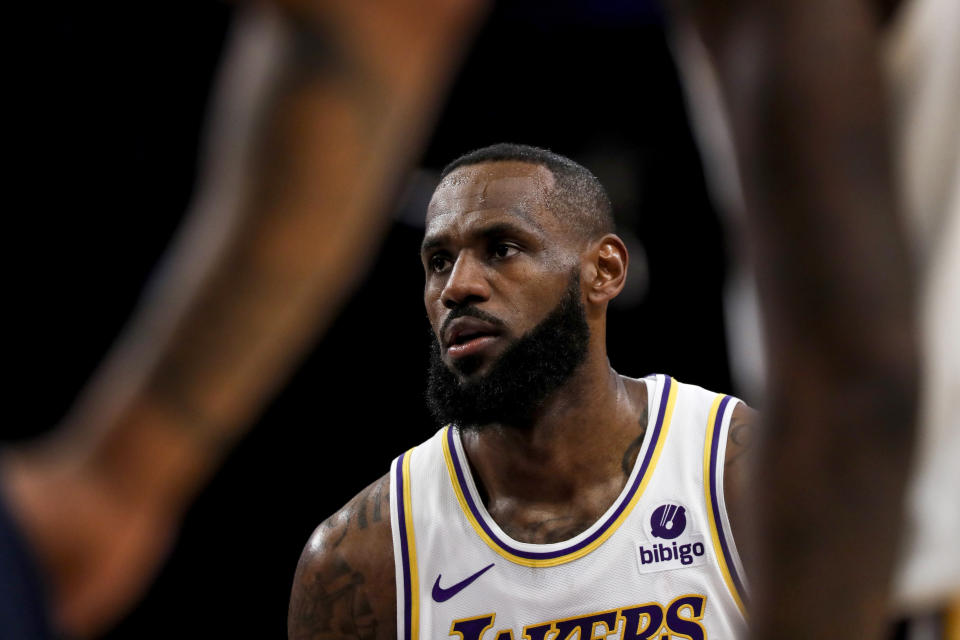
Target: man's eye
(438,263)
(502,250)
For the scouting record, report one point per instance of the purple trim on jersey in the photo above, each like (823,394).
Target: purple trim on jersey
(404,555)
(715,500)
(547,555)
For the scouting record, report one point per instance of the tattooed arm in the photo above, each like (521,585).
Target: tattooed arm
(344,586)
(319,110)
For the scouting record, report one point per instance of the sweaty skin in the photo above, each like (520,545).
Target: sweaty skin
(490,242)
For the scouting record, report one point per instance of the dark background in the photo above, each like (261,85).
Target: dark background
(107,108)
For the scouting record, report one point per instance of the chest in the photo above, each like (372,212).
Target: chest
(654,565)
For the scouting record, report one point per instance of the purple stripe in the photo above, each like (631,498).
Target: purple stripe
(547,555)
(402,522)
(715,502)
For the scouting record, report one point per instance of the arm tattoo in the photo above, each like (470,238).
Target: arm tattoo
(321,54)
(331,605)
(378,496)
(362,510)
(370,507)
(330,524)
(331,596)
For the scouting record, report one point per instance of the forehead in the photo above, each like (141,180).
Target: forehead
(494,189)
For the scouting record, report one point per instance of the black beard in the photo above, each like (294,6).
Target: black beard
(521,380)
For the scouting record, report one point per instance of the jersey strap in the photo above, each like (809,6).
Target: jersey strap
(405,548)
(714,448)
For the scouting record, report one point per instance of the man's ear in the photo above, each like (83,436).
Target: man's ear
(606,270)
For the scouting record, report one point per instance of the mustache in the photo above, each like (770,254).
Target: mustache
(470,312)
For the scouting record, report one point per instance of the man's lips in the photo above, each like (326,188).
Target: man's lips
(466,336)
(470,347)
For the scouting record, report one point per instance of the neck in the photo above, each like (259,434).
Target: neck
(570,463)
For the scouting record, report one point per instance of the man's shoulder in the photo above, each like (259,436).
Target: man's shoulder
(364,519)
(740,410)
(344,586)
(743,418)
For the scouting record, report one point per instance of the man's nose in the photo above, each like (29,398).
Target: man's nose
(466,283)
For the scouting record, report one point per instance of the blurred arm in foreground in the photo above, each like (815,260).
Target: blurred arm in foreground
(320,108)
(801,84)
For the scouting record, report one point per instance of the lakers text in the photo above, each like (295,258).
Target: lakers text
(681,617)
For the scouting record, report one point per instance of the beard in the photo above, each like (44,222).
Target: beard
(518,384)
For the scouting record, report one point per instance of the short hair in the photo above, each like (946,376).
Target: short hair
(577,197)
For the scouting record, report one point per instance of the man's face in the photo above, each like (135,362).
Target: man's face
(497,262)
(521,380)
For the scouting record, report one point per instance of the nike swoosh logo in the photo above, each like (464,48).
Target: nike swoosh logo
(442,595)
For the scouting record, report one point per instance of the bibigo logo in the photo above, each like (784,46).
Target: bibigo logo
(668,546)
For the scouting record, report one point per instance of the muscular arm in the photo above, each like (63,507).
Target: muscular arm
(320,109)
(737,467)
(344,585)
(800,80)
(290,212)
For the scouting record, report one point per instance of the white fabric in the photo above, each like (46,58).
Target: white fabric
(612,576)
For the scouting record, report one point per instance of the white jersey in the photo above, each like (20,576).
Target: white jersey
(660,563)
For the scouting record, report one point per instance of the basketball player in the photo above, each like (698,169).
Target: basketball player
(803,90)
(308,138)
(560,495)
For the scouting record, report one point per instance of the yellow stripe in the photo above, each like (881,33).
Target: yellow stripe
(551,562)
(714,535)
(411,551)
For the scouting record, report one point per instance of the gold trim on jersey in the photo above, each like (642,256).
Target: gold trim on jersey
(411,550)
(714,532)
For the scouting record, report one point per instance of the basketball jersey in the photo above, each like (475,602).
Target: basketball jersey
(660,563)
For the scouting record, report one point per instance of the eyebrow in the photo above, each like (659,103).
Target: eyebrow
(495,230)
